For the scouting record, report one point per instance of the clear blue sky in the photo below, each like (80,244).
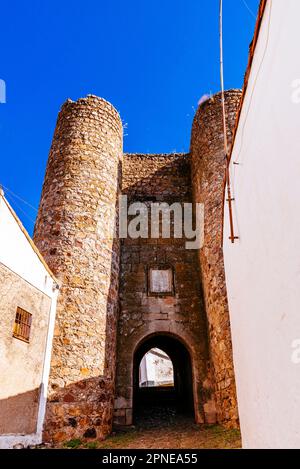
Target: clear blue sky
(152,59)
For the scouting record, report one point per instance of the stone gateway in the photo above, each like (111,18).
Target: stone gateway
(121,298)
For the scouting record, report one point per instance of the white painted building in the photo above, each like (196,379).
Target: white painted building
(263,265)
(28,293)
(156,369)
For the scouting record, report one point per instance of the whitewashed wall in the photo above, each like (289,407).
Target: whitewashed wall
(156,367)
(263,266)
(18,255)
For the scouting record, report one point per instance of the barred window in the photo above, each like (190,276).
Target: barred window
(22,325)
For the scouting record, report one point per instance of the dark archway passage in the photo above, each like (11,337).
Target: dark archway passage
(164,402)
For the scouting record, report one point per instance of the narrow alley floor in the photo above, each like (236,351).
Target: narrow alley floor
(157,429)
(183,433)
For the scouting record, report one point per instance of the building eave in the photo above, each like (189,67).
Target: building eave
(27,236)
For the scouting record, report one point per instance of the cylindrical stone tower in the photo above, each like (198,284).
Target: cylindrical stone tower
(208,173)
(75,233)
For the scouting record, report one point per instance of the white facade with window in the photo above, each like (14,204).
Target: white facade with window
(28,293)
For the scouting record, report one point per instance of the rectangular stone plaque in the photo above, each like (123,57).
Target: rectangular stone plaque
(161,281)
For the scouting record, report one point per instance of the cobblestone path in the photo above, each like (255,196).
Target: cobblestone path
(180,433)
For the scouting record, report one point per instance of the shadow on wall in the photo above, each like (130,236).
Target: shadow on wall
(84,409)
(19,413)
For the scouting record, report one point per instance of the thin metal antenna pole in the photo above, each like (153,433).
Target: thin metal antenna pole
(226,149)
(222,79)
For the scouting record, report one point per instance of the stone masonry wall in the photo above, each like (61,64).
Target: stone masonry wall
(160,178)
(208,171)
(74,233)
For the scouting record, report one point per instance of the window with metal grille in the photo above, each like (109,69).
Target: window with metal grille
(22,325)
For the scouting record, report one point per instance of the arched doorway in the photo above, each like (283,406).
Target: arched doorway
(167,391)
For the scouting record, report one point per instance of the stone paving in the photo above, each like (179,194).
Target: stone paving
(180,434)
(166,431)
